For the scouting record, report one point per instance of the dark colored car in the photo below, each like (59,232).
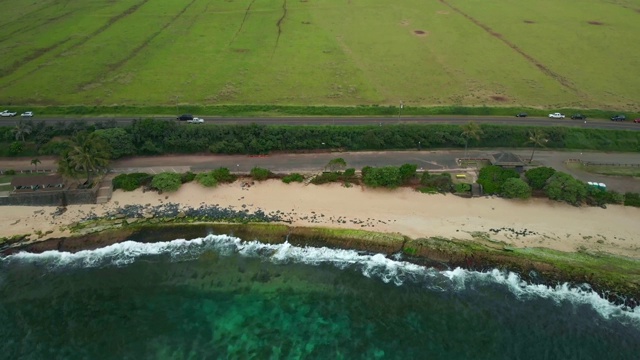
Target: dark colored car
(637,121)
(521,115)
(579,117)
(618,118)
(184,117)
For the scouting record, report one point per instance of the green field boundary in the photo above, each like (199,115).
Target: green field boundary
(293,110)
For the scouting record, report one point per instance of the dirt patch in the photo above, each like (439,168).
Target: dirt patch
(594,23)
(442,12)
(499,98)
(529,22)
(241,51)
(420,33)
(405,22)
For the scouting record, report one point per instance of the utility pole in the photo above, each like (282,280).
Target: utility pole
(400,110)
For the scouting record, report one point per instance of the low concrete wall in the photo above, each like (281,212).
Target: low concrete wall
(51,198)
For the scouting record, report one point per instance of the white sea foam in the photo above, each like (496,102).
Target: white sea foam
(371,265)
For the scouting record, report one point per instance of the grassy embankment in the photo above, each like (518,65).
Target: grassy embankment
(536,55)
(604,272)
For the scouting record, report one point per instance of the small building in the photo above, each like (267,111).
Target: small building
(37,183)
(507,160)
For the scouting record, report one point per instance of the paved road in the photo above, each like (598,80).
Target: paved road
(428,160)
(350,121)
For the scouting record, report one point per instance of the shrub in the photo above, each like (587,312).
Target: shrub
(462,188)
(387,176)
(325,177)
(10,172)
(187,177)
(207,179)
(407,172)
(563,187)
(295,177)
(259,174)
(130,182)
(223,175)
(440,183)
(493,177)
(538,177)
(614,197)
(16,148)
(350,172)
(515,188)
(166,181)
(632,199)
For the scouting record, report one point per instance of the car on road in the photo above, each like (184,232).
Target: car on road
(184,117)
(556,116)
(27,114)
(521,115)
(579,117)
(637,121)
(196,121)
(6,113)
(618,117)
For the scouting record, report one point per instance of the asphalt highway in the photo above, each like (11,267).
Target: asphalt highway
(352,120)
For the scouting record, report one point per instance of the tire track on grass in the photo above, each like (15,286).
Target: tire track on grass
(29,27)
(545,70)
(279,24)
(28,15)
(40,52)
(117,65)
(246,15)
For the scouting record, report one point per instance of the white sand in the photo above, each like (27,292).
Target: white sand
(556,225)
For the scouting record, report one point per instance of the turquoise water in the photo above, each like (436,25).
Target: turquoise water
(219,297)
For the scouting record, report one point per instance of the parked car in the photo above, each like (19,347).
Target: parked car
(618,117)
(27,114)
(556,116)
(521,115)
(184,117)
(637,121)
(196,121)
(6,113)
(579,117)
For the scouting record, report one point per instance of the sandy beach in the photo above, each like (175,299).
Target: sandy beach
(546,223)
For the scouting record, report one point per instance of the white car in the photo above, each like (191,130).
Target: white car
(6,113)
(27,114)
(556,116)
(195,121)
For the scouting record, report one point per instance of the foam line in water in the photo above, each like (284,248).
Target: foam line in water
(370,265)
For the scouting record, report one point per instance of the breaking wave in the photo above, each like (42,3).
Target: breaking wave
(371,265)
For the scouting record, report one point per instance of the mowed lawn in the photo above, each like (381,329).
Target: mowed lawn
(539,53)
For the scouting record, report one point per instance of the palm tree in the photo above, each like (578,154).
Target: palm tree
(21,130)
(86,155)
(35,163)
(537,138)
(470,130)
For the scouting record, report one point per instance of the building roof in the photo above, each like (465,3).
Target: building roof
(506,158)
(44,180)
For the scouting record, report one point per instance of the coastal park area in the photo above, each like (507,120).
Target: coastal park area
(160,55)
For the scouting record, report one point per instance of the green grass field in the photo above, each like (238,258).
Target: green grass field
(536,54)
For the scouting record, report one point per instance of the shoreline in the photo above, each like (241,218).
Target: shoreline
(472,233)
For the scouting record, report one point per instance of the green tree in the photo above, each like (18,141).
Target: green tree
(21,130)
(87,154)
(35,163)
(337,163)
(515,188)
(407,172)
(492,178)
(166,182)
(563,187)
(536,138)
(537,177)
(388,176)
(16,148)
(470,130)
(120,142)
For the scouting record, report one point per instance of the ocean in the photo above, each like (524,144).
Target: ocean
(219,297)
